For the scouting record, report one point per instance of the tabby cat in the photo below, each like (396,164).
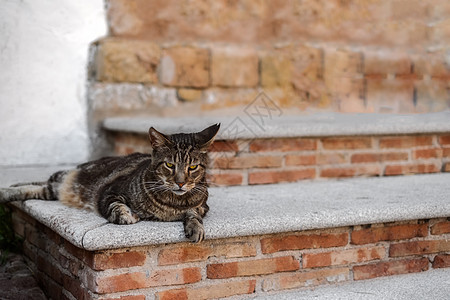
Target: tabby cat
(167,185)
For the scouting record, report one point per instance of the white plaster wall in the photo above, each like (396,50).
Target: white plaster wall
(43,68)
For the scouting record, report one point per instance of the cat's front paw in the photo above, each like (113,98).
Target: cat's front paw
(122,215)
(194,231)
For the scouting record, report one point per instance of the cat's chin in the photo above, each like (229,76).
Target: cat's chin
(179,192)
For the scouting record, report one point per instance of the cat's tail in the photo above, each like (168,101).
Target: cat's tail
(25,192)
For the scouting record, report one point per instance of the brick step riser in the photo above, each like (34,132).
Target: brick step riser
(236,266)
(264,161)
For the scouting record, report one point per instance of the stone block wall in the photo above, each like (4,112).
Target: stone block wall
(193,57)
(263,161)
(255,265)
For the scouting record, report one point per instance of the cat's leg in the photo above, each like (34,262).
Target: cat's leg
(193,226)
(26,192)
(116,211)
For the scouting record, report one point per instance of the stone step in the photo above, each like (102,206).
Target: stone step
(264,149)
(261,241)
(434,284)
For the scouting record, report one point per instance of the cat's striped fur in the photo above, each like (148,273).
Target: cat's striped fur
(167,185)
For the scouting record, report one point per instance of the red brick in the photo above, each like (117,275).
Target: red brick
(331,158)
(419,248)
(392,63)
(388,233)
(224,146)
(441,261)
(378,157)
(303,241)
(347,143)
(226,179)
(342,257)
(252,267)
(306,279)
(191,253)
(104,261)
(132,297)
(406,142)
(441,228)
(137,280)
(264,177)
(411,169)
(370,170)
(427,153)
(444,140)
(242,162)
(300,160)
(447,167)
(446,152)
(390,268)
(213,291)
(283,145)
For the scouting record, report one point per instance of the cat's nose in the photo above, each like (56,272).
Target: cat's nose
(180,184)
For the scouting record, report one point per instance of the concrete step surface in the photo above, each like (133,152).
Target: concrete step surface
(432,285)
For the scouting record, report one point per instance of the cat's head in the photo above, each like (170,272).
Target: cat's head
(180,160)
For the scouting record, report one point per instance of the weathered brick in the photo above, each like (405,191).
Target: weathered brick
(390,268)
(246,162)
(419,248)
(444,140)
(434,65)
(104,261)
(265,177)
(252,267)
(131,297)
(378,157)
(411,169)
(390,95)
(427,153)
(303,241)
(405,141)
(189,95)
(341,62)
(226,178)
(283,145)
(387,63)
(213,291)
(366,170)
(193,253)
(342,257)
(347,143)
(300,160)
(185,67)
(432,96)
(441,228)
(446,167)
(331,158)
(137,280)
(224,146)
(276,70)
(441,261)
(123,60)
(306,279)
(388,233)
(234,67)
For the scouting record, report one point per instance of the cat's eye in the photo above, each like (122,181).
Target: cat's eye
(193,167)
(169,165)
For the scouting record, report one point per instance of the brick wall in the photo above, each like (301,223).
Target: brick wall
(234,266)
(262,161)
(185,57)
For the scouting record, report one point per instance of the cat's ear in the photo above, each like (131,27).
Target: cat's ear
(157,139)
(206,136)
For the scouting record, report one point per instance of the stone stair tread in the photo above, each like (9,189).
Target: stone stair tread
(262,209)
(271,126)
(433,284)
